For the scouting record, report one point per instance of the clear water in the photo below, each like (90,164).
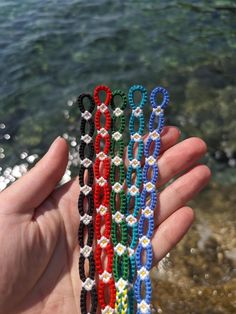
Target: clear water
(50,51)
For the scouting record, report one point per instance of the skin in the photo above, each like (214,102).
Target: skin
(39,223)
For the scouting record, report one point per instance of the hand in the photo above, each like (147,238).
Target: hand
(38,225)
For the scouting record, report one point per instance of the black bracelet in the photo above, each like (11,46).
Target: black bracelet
(86,207)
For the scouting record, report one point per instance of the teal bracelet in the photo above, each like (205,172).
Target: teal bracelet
(133,193)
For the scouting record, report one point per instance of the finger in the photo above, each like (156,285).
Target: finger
(30,190)
(169,137)
(182,190)
(69,191)
(65,199)
(180,157)
(171,231)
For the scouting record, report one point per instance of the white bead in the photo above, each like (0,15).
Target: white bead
(147,212)
(144,307)
(143,273)
(86,115)
(103,132)
(118,217)
(101,155)
(131,220)
(149,186)
(121,284)
(135,163)
(103,241)
(120,249)
(133,190)
(86,138)
(136,137)
(105,276)
(101,181)
(86,189)
(145,241)
(88,284)
(102,107)
(86,162)
(157,110)
(102,210)
(117,136)
(150,160)
(116,160)
(86,219)
(137,112)
(154,135)
(107,310)
(117,187)
(86,251)
(118,112)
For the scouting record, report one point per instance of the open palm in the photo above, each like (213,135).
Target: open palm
(38,225)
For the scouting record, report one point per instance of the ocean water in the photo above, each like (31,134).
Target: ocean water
(51,51)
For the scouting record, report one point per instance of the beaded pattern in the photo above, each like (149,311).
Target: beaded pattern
(118,205)
(149,201)
(102,202)
(86,206)
(133,192)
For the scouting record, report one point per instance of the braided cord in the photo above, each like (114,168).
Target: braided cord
(86,207)
(134,181)
(118,204)
(104,247)
(149,201)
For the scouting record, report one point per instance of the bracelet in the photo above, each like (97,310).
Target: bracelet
(102,203)
(86,207)
(148,202)
(134,186)
(119,232)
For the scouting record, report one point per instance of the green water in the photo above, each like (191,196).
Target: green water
(50,51)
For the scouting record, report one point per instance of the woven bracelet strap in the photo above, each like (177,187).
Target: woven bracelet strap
(134,181)
(104,249)
(119,232)
(149,202)
(86,207)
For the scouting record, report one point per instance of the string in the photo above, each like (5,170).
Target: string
(144,254)
(104,250)
(134,181)
(86,207)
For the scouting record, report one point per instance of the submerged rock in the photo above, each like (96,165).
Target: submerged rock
(199,275)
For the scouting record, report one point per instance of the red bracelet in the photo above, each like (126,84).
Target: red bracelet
(104,247)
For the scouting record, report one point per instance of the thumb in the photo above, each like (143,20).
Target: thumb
(34,187)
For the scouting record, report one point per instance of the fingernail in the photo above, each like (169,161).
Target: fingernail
(179,131)
(54,143)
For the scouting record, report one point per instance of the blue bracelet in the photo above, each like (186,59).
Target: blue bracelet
(134,171)
(148,202)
